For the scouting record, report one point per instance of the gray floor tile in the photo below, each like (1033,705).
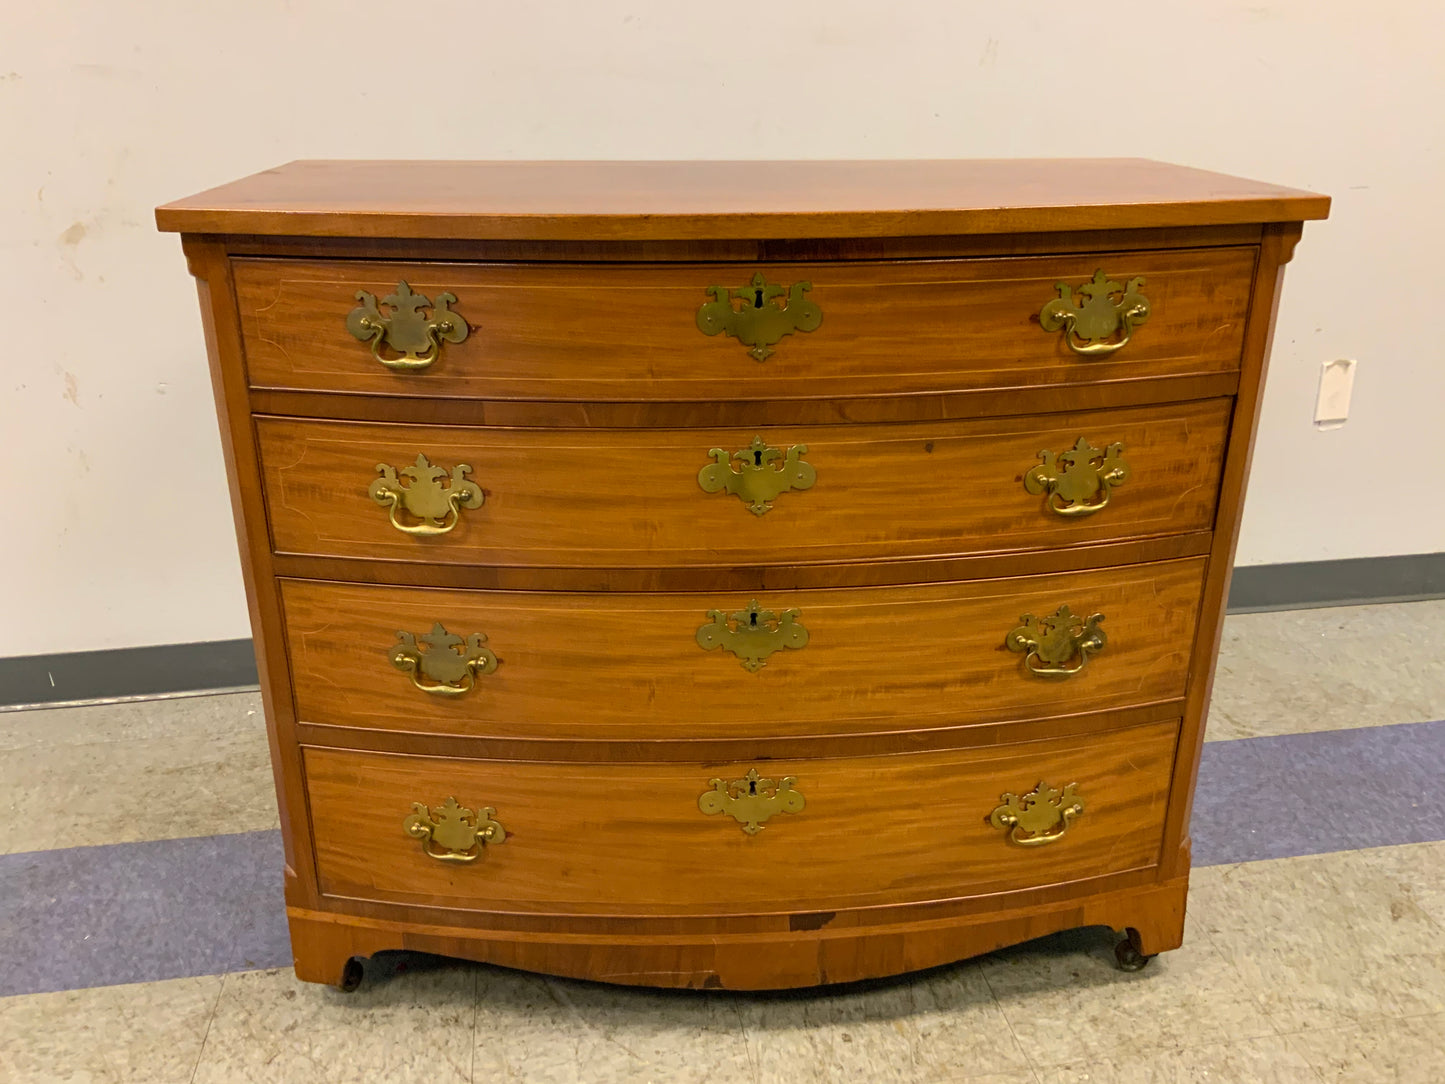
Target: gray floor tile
(1331,669)
(1268,1060)
(146,1033)
(1409,1051)
(943,1025)
(1326,940)
(537,1030)
(121,790)
(1066,1001)
(416,1028)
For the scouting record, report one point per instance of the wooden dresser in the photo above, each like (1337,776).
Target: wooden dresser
(735,574)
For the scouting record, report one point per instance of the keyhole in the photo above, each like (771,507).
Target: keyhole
(757,459)
(752,787)
(758,299)
(753,620)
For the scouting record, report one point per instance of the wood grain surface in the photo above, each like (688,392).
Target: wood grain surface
(633,499)
(620,201)
(627,332)
(625,666)
(631,838)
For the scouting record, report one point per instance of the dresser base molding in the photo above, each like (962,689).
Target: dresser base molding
(323,943)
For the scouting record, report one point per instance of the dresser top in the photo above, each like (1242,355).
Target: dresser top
(655,201)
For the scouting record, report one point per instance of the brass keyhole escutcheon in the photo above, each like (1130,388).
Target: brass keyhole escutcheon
(1057,645)
(751,799)
(752,634)
(758,474)
(759,321)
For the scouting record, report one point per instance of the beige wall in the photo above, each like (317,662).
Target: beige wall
(117,530)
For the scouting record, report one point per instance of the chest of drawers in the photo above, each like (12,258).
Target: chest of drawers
(741,575)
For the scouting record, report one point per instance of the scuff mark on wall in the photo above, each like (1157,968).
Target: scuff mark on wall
(69,242)
(72,388)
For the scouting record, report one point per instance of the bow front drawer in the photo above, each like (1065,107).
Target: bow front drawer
(721,664)
(740,331)
(824,833)
(648,498)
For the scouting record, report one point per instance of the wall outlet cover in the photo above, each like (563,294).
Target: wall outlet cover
(1337,382)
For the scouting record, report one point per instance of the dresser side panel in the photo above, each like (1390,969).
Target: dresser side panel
(1275,252)
(209,264)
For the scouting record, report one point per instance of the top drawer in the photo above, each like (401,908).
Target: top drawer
(596,332)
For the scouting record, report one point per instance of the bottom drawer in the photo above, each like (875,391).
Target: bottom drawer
(664,839)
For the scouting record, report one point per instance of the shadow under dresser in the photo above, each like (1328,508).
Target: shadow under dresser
(735,574)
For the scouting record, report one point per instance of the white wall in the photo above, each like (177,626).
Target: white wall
(117,530)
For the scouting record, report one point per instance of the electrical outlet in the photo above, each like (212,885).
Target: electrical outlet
(1337,382)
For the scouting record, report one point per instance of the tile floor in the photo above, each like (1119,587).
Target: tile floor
(1315,967)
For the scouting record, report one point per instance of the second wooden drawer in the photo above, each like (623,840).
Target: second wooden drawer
(665,498)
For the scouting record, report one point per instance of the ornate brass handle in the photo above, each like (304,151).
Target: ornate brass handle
(406,329)
(452,832)
(435,508)
(1059,645)
(1089,323)
(1078,482)
(752,634)
(760,321)
(751,799)
(757,479)
(1038,817)
(452,664)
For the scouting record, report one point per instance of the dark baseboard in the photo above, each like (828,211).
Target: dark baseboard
(1355,582)
(170,669)
(165,669)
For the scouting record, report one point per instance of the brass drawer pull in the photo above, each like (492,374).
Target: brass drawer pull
(453,833)
(757,479)
(435,508)
(1089,323)
(760,322)
(751,799)
(1078,482)
(1038,817)
(452,672)
(752,634)
(1059,645)
(406,329)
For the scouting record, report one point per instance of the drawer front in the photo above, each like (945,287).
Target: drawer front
(634,332)
(648,498)
(609,838)
(527,664)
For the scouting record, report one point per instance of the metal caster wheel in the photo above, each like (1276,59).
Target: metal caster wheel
(350,976)
(1127,953)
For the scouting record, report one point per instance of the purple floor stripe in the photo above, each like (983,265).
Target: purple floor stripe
(137,912)
(1336,790)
